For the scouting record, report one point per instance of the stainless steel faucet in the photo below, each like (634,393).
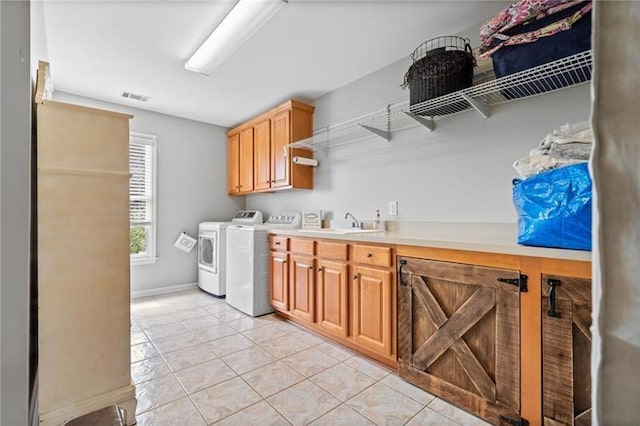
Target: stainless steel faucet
(356,223)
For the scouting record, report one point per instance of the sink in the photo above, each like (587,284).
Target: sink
(341,231)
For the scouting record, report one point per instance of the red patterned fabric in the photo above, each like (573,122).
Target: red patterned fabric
(517,13)
(532,36)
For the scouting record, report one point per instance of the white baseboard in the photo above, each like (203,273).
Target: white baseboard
(163,290)
(125,397)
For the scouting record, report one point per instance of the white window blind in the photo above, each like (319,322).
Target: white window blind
(142,158)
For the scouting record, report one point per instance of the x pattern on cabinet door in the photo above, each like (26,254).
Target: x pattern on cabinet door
(458,335)
(450,332)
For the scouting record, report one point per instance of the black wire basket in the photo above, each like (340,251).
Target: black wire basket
(441,66)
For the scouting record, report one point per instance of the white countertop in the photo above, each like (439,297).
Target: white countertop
(482,237)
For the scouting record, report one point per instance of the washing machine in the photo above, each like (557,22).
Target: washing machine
(248,287)
(212,249)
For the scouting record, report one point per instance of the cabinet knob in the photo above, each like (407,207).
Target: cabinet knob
(369,255)
(355,277)
(277,243)
(310,267)
(284,261)
(320,269)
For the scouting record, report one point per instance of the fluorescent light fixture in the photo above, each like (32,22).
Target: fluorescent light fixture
(244,20)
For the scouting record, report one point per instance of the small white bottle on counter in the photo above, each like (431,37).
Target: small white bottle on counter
(377,223)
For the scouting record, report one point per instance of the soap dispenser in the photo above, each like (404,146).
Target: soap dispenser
(377,223)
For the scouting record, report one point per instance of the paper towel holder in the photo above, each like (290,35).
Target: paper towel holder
(304,161)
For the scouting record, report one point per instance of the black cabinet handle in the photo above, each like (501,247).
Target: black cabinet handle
(320,269)
(552,298)
(355,277)
(403,263)
(369,255)
(277,243)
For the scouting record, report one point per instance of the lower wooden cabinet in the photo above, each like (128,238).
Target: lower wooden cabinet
(372,309)
(279,280)
(566,350)
(332,297)
(302,287)
(351,301)
(459,334)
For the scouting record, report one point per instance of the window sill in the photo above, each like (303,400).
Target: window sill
(144,261)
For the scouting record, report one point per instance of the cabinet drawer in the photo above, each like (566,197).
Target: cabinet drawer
(337,251)
(371,255)
(301,246)
(278,243)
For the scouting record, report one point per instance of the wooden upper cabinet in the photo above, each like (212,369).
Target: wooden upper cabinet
(246,160)
(233,164)
(280,138)
(268,164)
(262,157)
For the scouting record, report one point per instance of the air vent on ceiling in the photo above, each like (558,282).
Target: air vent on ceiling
(135,96)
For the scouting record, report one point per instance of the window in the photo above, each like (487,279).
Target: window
(142,198)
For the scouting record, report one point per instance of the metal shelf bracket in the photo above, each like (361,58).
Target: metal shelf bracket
(384,134)
(426,122)
(479,106)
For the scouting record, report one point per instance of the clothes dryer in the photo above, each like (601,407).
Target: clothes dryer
(212,249)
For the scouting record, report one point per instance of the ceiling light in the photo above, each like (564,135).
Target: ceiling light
(244,20)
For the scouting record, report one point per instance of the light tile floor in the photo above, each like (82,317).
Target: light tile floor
(197,361)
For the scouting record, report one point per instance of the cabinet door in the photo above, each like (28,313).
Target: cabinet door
(262,160)
(372,311)
(279,281)
(332,297)
(246,160)
(233,164)
(459,335)
(302,288)
(566,350)
(280,137)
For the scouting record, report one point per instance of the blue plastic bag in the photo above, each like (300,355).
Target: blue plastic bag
(554,208)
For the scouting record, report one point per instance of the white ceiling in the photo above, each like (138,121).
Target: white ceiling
(99,48)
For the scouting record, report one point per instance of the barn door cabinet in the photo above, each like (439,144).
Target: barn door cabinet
(258,157)
(566,350)
(502,336)
(459,334)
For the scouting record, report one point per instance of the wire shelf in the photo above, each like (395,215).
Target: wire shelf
(550,77)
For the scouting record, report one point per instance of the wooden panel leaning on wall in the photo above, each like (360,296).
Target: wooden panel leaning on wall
(83,261)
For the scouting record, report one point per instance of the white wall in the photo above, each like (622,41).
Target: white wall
(192,164)
(461,172)
(15,137)
(39,43)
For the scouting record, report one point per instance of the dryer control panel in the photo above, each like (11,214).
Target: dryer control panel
(248,217)
(290,220)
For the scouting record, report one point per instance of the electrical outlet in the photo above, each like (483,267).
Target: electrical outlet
(393,208)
